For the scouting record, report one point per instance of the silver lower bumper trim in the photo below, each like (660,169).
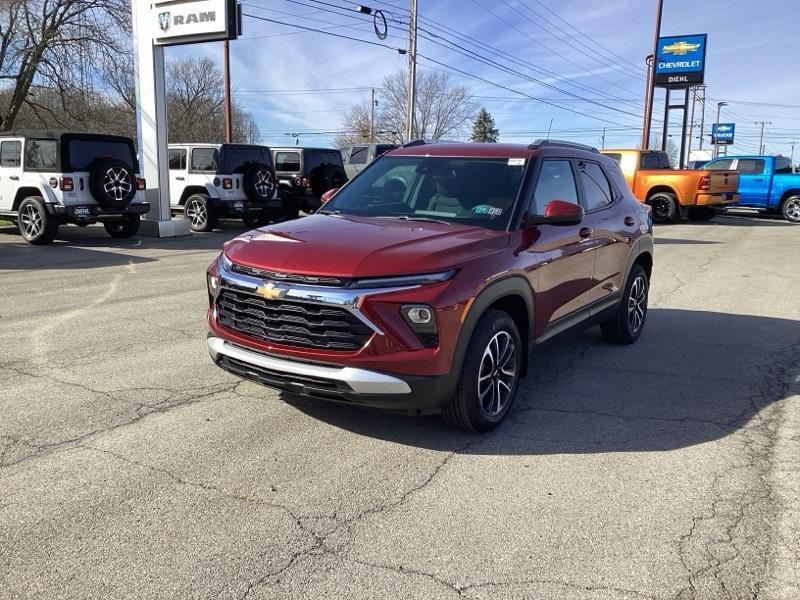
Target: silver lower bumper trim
(361,380)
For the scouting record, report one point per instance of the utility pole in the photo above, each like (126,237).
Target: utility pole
(791,158)
(761,139)
(691,123)
(603,140)
(651,68)
(372,118)
(719,108)
(702,116)
(412,71)
(226,59)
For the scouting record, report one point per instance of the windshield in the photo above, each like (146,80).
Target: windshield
(236,159)
(473,191)
(84,151)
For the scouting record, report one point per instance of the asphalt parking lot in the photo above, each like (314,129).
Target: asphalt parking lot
(131,467)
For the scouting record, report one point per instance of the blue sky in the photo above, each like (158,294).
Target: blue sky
(752,63)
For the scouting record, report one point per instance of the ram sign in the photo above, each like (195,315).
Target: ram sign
(722,133)
(189,21)
(681,60)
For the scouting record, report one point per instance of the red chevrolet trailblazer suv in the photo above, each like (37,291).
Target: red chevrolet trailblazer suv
(424,282)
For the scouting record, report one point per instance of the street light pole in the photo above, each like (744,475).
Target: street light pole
(412,71)
(651,68)
(372,118)
(716,145)
(761,139)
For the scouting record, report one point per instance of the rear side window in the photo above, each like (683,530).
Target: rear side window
(616,156)
(725,164)
(205,160)
(783,165)
(596,189)
(177,159)
(654,160)
(41,155)
(287,161)
(358,155)
(556,182)
(750,166)
(381,149)
(11,154)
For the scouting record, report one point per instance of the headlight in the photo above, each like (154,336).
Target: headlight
(404,280)
(421,320)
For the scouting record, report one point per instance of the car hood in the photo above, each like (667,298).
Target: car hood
(348,246)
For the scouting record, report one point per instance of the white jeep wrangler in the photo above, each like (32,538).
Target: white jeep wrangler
(209,181)
(48,178)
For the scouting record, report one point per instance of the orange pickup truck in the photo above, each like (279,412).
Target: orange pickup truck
(672,193)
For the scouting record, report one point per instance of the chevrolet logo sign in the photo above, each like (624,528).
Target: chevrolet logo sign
(680,48)
(270,291)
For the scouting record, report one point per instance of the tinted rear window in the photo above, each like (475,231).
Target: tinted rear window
(654,160)
(318,158)
(82,153)
(782,165)
(358,155)
(287,161)
(383,149)
(236,159)
(616,156)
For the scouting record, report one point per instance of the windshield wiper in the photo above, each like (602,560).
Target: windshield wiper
(407,218)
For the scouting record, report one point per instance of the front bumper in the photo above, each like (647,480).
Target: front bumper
(334,382)
(725,199)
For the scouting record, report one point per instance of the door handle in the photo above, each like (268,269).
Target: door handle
(629,221)
(180,178)
(759,179)
(14,177)
(585,232)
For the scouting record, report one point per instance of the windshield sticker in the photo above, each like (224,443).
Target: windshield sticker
(516,162)
(488,210)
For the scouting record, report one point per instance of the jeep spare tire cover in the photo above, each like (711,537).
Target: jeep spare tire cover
(112,183)
(259,182)
(326,177)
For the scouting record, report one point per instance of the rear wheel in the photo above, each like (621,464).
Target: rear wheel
(489,376)
(666,208)
(35,225)
(127,226)
(790,209)
(200,212)
(701,213)
(628,322)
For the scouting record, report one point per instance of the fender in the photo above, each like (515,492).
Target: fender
(644,245)
(211,190)
(666,187)
(34,188)
(514,285)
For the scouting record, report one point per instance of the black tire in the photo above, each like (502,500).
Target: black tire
(34,223)
(200,212)
(666,208)
(127,226)
(259,183)
(790,209)
(627,324)
(290,207)
(466,410)
(258,219)
(112,183)
(701,213)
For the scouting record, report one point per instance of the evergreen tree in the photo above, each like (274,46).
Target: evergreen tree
(483,130)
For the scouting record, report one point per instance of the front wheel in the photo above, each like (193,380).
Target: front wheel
(666,208)
(127,226)
(201,212)
(626,325)
(35,225)
(790,209)
(489,376)
(701,213)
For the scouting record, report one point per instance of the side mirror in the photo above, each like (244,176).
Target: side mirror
(558,212)
(328,195)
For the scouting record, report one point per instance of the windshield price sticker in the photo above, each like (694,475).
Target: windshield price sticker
(516,162)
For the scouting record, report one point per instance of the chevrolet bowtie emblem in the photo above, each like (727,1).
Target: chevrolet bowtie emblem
(680,48)
(270,291)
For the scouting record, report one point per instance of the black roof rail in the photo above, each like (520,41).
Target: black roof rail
(562,144)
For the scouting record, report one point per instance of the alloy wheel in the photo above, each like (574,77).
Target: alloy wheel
(661,209)
(637,304)
(791,210)
(117,183)
(197,214)
(31,221)
(497,374)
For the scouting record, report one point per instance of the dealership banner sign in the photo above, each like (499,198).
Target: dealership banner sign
(722,133)
(681,60)
(191,21)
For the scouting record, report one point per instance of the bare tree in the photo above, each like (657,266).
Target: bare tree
(443,108)
(54,44)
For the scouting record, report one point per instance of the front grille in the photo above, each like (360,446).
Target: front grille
(291,322)
(289,277)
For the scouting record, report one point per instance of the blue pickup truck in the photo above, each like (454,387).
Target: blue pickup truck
(765,182)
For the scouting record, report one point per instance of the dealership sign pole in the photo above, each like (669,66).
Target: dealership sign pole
(155,25)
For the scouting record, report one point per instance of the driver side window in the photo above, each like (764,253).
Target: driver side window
(556,182)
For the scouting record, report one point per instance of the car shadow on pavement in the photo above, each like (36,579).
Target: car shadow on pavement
(660,240)
(692,377)
(91,247)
